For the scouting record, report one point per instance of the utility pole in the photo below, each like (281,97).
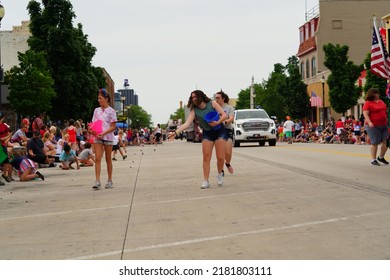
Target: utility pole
(252,94)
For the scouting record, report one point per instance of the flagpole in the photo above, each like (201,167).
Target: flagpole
(386,67)
(252,94)
(305,10)
(381,46)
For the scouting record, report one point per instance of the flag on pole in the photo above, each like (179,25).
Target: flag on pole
(380,61)
(315,101)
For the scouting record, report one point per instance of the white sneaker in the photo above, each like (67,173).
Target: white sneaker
(220,179)
(205,185)
(109,185)
(97,186)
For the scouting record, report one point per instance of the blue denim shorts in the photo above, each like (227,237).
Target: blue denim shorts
(378,134)
(213,135)
(104,142)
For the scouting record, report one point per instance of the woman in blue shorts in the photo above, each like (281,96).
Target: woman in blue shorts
(199,105)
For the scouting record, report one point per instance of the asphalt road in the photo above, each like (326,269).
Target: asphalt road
(289,202)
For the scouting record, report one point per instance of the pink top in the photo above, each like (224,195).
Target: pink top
(107,116)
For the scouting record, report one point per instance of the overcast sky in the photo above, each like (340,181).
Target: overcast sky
(167,48)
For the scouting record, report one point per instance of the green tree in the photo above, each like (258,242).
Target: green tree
(139,117)
(31,86)
(274,103)
(343,93)
(261,98)
(295,91)
(178,115)
(270,94)
(243,101)
(69,56)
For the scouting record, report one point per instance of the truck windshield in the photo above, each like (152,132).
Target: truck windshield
(251,115)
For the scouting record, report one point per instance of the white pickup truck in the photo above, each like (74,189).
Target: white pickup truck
(253,125)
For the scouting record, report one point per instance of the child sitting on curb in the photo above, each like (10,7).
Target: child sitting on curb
(27,169)
(86,156)
(67,158)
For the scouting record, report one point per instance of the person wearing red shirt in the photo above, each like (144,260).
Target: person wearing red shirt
(339,126)
(375,113)
(5,137)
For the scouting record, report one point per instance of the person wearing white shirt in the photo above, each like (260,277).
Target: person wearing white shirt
(287,129)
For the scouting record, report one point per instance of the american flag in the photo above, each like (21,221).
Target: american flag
(315,101)
(380,61)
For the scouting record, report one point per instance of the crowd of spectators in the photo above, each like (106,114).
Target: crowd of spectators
(41,144)
(346,130)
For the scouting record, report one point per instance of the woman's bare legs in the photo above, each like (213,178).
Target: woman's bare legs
(220,153)
(207,149)
(98,159)
(108,151)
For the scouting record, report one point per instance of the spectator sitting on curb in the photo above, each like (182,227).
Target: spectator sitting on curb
(20,136)
(27,169)
(67,158)
(36,153)
(86,157)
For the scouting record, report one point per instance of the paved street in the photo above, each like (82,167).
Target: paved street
(300,201)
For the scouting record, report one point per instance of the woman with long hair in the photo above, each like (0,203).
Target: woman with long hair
(223,101)
(200,105)
(104,140)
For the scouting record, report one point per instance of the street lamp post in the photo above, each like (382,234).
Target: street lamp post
(123,98)
(129,121)
(323,102)
(2,13)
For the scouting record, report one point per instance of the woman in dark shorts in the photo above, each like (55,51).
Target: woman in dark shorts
(223,101)
(375,114)
(199,105)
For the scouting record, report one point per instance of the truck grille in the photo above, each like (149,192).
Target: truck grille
(250,126)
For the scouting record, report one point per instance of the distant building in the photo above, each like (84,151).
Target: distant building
(110,87)
(12,42)
(343,22)
(130,97)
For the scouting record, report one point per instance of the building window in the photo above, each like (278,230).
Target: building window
(313,67)
(312,25)
(307,69)
(303,70)
(306,32)
(301,35)
(337,24)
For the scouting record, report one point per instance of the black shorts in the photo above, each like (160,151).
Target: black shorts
(229,133)
(158,136)
(115,147)
(39,158)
